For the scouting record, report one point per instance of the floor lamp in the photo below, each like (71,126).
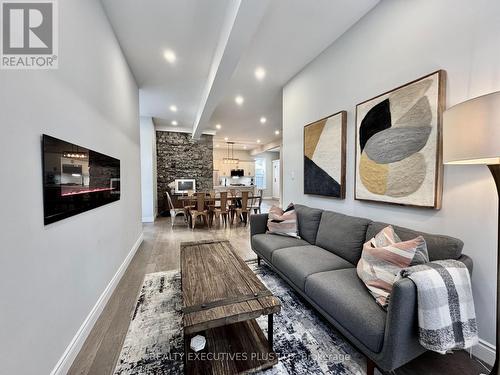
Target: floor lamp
(471,135)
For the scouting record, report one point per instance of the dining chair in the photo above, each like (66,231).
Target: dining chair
(212,205)
(174,211)
(200,210)
(187,204)
(232,202)
(257,202)
(243,210)
(223,210)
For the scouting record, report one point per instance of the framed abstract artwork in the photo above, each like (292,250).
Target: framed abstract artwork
(398,144)
(324,156)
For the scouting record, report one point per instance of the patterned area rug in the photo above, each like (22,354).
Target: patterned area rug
(305,343)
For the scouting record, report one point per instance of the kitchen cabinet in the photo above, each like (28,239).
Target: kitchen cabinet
(219,189)
(221,168)
(249,168)
(225,169)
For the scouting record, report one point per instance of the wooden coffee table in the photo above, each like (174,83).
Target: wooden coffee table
(222,297)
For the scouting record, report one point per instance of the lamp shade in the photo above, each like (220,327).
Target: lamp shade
(471,131)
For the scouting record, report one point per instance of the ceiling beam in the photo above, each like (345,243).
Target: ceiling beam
(161,126)
(240,25)
(266,147)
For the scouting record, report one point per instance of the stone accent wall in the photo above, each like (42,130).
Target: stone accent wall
(179,156)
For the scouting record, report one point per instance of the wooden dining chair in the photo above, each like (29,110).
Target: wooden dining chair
(199,210)
(187,206)
(212,205)
(243,211)
(190,193)
(223,210)
(174,211)
(257,202)
(232,193)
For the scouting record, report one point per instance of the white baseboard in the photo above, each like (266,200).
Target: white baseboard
(485,352)
(267,197)
(69,355)
(149,219)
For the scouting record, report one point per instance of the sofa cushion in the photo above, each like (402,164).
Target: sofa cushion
(439,247)
(265,244)
(297,263)
(345,298)
(308,219)
(343,235)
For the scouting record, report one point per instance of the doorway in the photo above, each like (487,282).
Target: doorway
(276,179)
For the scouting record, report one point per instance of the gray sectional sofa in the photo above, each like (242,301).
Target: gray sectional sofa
(321,266)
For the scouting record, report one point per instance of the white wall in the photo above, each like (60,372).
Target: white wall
(395,43)
(52,276)
(148,170)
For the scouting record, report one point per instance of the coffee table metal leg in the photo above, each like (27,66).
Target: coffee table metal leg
(270,331)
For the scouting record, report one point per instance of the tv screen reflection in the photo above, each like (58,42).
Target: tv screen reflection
(76,179)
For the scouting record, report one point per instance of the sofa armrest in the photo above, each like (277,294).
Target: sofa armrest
(401,342)
(401,332)
(258,224)
(467,261)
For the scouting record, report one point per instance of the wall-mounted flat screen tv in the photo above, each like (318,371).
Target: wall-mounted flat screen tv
(76,179)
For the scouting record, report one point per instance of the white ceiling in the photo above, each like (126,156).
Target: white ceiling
(282,38)
(146,28)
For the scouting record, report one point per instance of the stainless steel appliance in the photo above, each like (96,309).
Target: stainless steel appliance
(237,173)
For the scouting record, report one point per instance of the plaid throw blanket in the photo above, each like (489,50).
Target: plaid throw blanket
(446,315)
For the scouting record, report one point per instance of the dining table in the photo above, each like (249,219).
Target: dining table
(210,200)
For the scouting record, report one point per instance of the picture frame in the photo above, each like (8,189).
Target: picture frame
(398,149)
(325,156)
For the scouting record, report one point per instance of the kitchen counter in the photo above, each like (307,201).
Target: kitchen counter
(226,188)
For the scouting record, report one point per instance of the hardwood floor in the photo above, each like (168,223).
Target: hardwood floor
(160,252)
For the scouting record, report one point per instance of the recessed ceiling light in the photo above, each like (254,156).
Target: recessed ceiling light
(277,132)
(173,108)
(244,147)
(263,120)
(169,55)
(239,100)
(226,139)
(260,73)
(258,140)
(174,123)
(217,145)
(218,126)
